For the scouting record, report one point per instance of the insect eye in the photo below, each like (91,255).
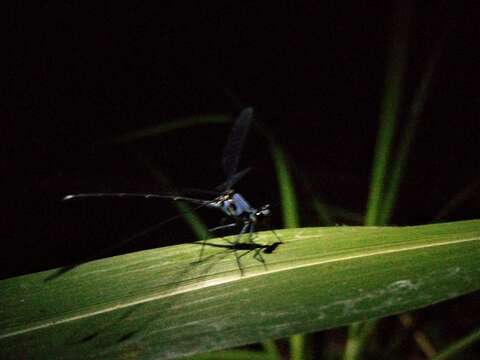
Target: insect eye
(264,211)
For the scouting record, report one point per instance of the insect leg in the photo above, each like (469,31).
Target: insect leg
(244,229)
(212,230)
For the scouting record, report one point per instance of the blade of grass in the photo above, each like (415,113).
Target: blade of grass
(408,137)
(164,303)
(271,350)
(349,217)
(172,125)
(323,211)
(353,341)
(420,338)
(396,65)
(463,195)
(358,334)
(458,346)
(287,190)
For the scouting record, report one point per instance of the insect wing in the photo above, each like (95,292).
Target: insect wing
(233,148)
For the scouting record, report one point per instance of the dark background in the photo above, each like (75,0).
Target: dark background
(78,75)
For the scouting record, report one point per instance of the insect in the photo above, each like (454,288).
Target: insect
(233,205)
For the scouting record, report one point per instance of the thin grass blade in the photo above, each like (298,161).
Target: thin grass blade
(188,214)
(408,137)
(397,59)
(458,346)
(172,125)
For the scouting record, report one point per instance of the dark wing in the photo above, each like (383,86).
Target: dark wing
(233,148)
(137,195)
(232,180)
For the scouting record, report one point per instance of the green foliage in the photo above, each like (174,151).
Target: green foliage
(165,303)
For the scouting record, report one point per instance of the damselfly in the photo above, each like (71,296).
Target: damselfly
(225,199)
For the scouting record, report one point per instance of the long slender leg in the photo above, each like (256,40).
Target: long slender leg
(250,233)
(239,264)
(274,233)
(237,258)
(226,226)
(257,255)
(258,250)
(244,229)
(212,230)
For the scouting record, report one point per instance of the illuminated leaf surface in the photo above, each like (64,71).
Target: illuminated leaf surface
(163,303)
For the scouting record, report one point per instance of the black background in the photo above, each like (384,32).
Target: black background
(78,75)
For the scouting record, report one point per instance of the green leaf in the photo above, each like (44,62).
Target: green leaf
(164,303)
